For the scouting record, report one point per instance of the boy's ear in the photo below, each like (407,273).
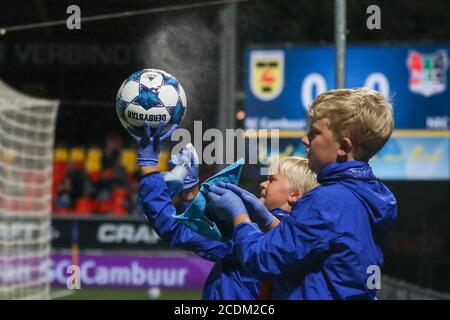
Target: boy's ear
(294,197)
(346,147)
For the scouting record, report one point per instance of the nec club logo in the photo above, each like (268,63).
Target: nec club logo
(427,72)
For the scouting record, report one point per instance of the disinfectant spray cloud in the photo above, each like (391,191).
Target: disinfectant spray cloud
(186,47)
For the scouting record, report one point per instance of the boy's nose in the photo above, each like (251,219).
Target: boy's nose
(262,185)
(305,141)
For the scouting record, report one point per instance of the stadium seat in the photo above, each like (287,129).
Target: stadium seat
(62,211)
(94,176)
(93,164)
(119,193)
(84,206)
(77,156)
(128,160)
(118,209)
(104,206)
(59,171)
(118,201)
(61,154)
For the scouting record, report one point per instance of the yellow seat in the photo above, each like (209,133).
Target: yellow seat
(61,154)
(128,160)
(77,155)
(94,160)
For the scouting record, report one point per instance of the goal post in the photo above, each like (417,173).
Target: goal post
(27,132)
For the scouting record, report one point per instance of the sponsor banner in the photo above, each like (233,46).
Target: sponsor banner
(96,233)
(281,84)
(54,54)
(24,267)
(413,157)
(178,272)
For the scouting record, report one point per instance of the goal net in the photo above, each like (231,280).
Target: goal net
(27,127)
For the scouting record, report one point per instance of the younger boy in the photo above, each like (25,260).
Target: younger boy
(329,245)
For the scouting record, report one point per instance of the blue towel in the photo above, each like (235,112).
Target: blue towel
(198,215)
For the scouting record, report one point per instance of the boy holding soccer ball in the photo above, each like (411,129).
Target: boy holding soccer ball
(227,280)
(328,247)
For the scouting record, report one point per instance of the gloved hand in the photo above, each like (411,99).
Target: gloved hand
(149,146)
(255,208)
(224,200)
(187,158)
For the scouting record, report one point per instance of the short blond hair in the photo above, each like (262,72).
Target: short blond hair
(300,177)
(361,114)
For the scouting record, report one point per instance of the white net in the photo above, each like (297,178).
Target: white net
(27,127)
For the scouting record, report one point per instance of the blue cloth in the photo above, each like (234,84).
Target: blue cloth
(228,279)
(200,217)
(323,249)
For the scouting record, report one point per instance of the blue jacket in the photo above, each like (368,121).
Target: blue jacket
(324,248)
(227,279)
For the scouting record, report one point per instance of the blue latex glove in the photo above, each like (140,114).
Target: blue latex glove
(149,146)
(256,209)
(224,200)
(188,158)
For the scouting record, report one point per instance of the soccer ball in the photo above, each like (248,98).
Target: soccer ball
(150,95)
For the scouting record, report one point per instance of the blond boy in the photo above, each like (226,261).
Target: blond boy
(331,244)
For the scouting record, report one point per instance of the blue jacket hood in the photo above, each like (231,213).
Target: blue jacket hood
(359,178)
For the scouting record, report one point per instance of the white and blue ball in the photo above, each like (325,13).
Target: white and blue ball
(150,95)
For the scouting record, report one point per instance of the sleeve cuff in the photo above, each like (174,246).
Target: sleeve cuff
(149,174)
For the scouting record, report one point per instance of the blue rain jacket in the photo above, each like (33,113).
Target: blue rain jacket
(227,279)
(327,247)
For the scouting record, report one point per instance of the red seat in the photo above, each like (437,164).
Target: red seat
(118,209)
(119,197)
(104,206)
(59,171)
(62,211)
(83,206)
(119,194)
(94,176)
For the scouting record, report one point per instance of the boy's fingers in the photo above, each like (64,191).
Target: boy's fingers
(155,142)
(217,190)
(147,129)
(212,196)
(169,132)
(247,198)
(159,128)
(235,189)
